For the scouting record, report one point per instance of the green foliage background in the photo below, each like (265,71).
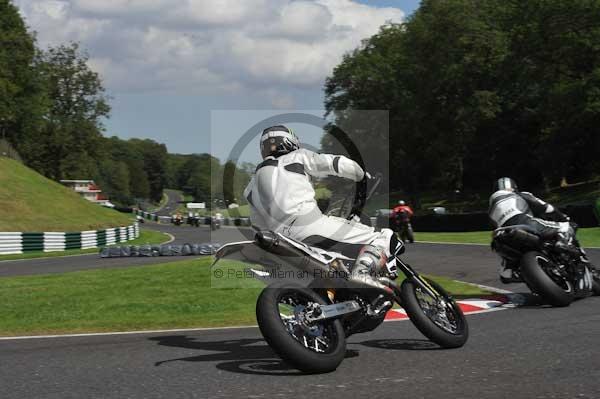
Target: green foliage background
(479,89)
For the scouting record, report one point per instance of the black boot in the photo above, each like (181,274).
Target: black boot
(509,275)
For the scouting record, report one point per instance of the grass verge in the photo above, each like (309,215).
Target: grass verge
(146,237)
(243,211)
(589,237)
(175,295)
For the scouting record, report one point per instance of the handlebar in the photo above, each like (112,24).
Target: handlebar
(363,194)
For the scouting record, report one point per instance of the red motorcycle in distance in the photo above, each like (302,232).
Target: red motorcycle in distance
(400,221)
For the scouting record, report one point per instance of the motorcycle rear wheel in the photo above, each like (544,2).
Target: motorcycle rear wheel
(279,315)
(535,269)
(410,234)
(440,319)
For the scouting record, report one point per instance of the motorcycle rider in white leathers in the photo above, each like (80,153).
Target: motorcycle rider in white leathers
(282,199)
(510,207)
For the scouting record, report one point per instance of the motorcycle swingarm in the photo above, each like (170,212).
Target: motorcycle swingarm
(336,310)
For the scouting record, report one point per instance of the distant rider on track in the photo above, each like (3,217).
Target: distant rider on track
(510,207)
(401,215)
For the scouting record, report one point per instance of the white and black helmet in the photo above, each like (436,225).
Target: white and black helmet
(506,183)
(278,140)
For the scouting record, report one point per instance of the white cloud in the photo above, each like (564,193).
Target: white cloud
(119,7)
(304,19)
(209,46)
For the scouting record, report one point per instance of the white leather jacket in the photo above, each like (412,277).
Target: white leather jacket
(281,187)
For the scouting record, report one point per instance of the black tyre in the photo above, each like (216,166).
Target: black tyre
(410,234)
(537,271)
(596,283)
(440,319)
(316,348)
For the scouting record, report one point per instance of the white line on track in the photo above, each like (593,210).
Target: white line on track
(49,257)
(123,333)
(486,287)
(171,239)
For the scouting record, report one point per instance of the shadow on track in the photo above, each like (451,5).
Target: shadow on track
(245,356)
(516,299)
(253,356)
(402,344)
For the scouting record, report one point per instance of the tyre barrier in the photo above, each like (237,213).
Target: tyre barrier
(19,242)
(126,251)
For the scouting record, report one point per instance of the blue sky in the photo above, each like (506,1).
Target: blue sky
(168,63)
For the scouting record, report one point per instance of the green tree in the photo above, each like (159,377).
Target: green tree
(114,180)
(154,157)
(22,93)
(477,89)
(78,104)
(139,184)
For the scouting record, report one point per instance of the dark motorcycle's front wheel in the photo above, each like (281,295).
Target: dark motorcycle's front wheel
(437,316)
(311,348)
(596,286)
(595,281)
(544,278)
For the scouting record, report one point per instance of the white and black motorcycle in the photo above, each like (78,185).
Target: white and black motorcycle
(310,306)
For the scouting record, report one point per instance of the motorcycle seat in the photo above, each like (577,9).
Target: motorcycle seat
(544,235)
(524,227)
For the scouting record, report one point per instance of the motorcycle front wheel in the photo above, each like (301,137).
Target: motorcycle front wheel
(438,317)
(310,348)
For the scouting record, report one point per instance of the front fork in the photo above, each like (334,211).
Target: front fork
(413,276)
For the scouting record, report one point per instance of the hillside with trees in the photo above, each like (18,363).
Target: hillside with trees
(478,89)
(52,109)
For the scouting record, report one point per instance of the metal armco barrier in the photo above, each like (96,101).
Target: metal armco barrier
(19,242)
(147,215)
(241,222)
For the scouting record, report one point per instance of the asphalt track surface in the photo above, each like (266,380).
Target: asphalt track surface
(528,352)
(172,203)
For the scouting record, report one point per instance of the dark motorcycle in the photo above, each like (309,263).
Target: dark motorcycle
(193,221)
(557,269)
(404,227)
(307,320)
(215,223)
